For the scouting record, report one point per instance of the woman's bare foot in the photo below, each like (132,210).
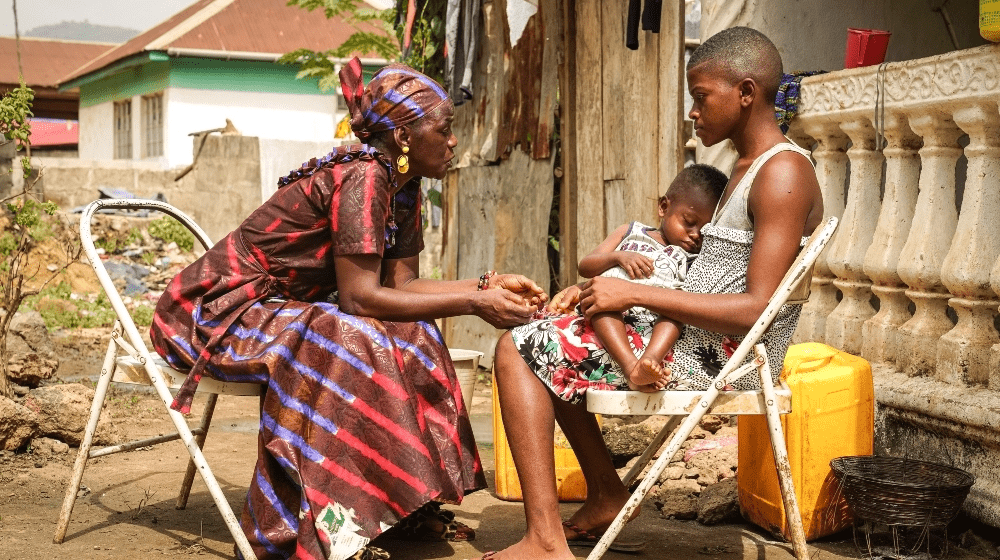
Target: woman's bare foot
(536,548)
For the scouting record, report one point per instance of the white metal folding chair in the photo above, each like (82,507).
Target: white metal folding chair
(692,406)
(128,360)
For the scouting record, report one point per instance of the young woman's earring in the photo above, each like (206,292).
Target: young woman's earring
(403,162)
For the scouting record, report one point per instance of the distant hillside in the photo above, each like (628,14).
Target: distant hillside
(83,31)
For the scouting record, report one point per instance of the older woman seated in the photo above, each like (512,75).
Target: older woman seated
(318,295)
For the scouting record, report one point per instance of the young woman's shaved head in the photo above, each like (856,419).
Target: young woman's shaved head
(739,53)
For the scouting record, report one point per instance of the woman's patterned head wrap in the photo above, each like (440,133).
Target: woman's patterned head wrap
(397,95)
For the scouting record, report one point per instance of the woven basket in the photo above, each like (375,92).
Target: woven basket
(904,492)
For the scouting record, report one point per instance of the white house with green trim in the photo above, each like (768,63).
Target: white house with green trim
(214,60)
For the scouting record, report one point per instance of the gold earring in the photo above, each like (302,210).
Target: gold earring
(403,162)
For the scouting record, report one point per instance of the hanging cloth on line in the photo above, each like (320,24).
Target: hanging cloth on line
(650,17)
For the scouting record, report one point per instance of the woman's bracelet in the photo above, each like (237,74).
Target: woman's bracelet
(484,280)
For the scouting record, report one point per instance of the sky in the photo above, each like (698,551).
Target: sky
(135,14)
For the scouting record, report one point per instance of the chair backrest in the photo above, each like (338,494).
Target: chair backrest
(86,240)
(801,284)
(799,272)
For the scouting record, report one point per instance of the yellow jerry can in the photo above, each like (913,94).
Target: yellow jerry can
(570,484)
(832,415)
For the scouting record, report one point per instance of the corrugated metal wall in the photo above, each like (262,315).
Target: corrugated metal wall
(619,135)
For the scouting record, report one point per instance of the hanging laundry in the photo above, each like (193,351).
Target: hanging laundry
(649,16)
(461,33)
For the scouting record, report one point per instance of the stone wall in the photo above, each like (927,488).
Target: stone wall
(219,193)
(226,184)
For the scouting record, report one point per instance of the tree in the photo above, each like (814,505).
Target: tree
(425,51)
(26,215)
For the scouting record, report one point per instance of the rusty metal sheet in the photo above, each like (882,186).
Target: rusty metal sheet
(45,61)
(260,26)
(515,88)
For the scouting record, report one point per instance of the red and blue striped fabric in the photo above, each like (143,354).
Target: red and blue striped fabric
(363,420)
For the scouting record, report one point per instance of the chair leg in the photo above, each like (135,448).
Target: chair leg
(100,392)
(652,448)
(206,420)
(792,513)
(232,522)
(687,425)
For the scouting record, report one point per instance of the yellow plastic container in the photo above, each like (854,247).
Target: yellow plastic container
(989,20)
(569,478)
(832,416)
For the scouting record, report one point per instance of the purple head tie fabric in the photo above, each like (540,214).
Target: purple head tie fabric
(397,95)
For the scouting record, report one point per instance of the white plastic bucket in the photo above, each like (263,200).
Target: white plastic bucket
(467,368)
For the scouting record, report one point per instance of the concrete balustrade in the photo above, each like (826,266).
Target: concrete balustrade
(930,238)
(911,281)
(902,170)
(963,352)
(846,253)
(830,154)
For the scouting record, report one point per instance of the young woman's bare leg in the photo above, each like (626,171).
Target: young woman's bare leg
(606,495)
(529,410)
(529,422)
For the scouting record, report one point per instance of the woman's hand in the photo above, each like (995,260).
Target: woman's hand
(636,265)
(503,308)
(601,294)
(565,300)
(522,286)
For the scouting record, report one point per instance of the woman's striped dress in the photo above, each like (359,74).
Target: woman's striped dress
(363,420)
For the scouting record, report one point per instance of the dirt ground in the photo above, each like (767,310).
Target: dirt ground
(127,508)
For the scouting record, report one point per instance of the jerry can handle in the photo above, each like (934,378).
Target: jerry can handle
(816,363)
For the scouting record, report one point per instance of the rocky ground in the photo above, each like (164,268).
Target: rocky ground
(126,506)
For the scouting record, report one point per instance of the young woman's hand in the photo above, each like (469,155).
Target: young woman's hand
(601,294)
(503,308)
(522,286)
(636,265)
(565,300)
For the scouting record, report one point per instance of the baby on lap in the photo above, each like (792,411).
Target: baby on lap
(657,257)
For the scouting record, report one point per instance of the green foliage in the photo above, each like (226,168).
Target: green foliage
(148,258)
(426,51)
(15,110)
(7,243)
(59,310)
(28,213)
(143,315)
(115,243)
(363,41)
(168,229)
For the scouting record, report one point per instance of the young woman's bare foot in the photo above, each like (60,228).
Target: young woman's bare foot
(596,517)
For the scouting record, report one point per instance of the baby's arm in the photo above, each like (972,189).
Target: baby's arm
(605,257)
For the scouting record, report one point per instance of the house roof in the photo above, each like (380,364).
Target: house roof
(54,132)
(45,61)
(234,26)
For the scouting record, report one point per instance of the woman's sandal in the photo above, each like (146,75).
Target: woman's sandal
(370,553)
(589,539)
(416,526)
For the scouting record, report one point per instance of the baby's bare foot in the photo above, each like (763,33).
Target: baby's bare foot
(646,372)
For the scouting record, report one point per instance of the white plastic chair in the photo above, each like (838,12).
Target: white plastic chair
(691,406)
(128,360)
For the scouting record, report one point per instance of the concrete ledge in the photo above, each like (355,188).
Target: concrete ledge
(923,418)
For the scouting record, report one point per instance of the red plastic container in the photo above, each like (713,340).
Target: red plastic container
(865,47)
